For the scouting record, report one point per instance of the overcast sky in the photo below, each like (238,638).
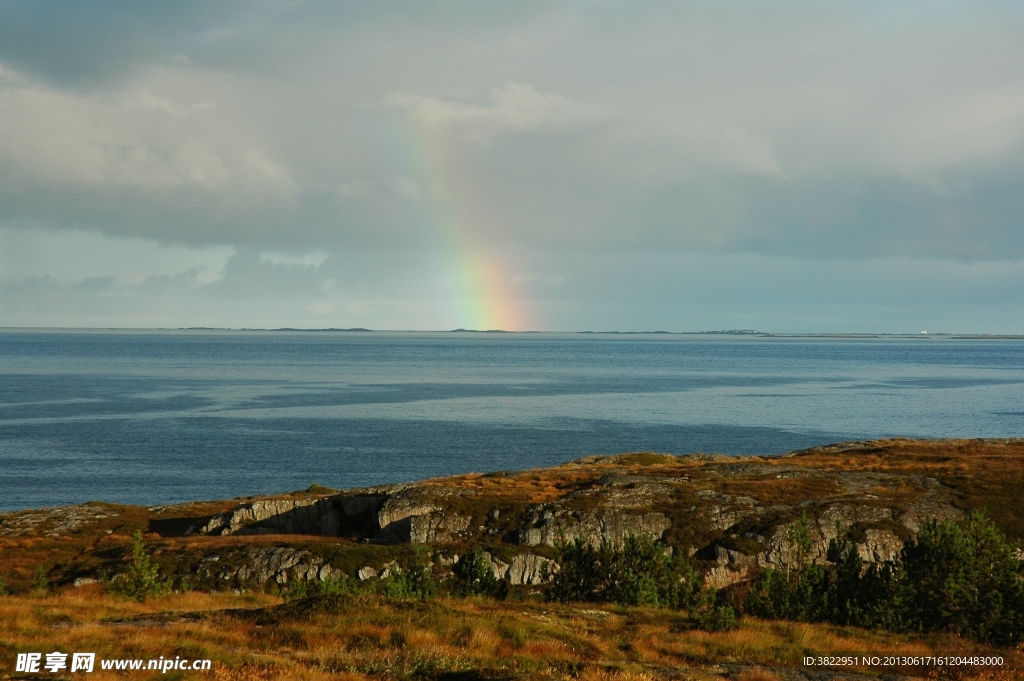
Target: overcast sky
(801,166)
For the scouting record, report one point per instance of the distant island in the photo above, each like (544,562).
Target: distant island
(358,328)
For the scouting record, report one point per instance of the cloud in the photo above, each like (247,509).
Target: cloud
(249,274)
(819,131)
(266,132)
(137,140)
(103,42)
(514,108)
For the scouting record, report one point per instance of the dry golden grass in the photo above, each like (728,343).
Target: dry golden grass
(758,675)
(250,639)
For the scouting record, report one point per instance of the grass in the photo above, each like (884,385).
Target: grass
(257,636)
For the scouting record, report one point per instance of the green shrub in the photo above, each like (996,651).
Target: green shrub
(39,579)
(769,596)
(865,597)
(141,580)
(581,577)
(961,578)
(476,576)
(716,618)
(3,587)
(965,579)
(639,573)
(413,582)
(299,589)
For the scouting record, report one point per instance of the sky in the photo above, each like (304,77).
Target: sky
(795,166)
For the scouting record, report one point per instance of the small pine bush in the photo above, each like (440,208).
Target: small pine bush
(639,573)
(414,582)
(964,578)
(141,580)
(39,579)
(300,589)
(953,577)
(716,618)
(476,577)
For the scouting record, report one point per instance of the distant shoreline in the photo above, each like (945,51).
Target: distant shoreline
(741,333)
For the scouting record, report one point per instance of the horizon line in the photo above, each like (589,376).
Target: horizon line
(720,332)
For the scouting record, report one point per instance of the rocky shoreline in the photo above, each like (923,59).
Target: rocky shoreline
(734,516)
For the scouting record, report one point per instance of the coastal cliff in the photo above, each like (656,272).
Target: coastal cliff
(734,516)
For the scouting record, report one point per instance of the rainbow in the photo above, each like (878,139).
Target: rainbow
(480,275)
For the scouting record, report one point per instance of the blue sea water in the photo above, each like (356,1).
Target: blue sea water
(161,417)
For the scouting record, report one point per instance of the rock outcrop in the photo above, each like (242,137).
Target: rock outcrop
(277,516)
(526,569)
(734,516)
(530,569)
(558,525)
(54,522)
(877,509)
(417,515)
(280,564)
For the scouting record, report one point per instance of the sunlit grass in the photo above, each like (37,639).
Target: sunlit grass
(370,637)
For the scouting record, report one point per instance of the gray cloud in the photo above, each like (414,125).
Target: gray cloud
(817,132)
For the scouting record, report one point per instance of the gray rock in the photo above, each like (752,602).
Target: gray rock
(430,528)
(448,561)
(879,546)
(437,528)
(531,536)
(417,515)
(725,510)
(277,516)
(498,567)
(84,581)
(529,569)
(52,522)
(593,527)
(722,576)
(846,515)
(401,507)
(281,564)
(920,513)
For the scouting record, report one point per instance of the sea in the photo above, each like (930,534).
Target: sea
(160,417)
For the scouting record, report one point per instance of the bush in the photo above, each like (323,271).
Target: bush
(476,576)
(39,579)
(864,597)
(769,596)
(300,589)
(960,578)
(640,573)
(716,618)
(413,582)
(141,580)
(965,579)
